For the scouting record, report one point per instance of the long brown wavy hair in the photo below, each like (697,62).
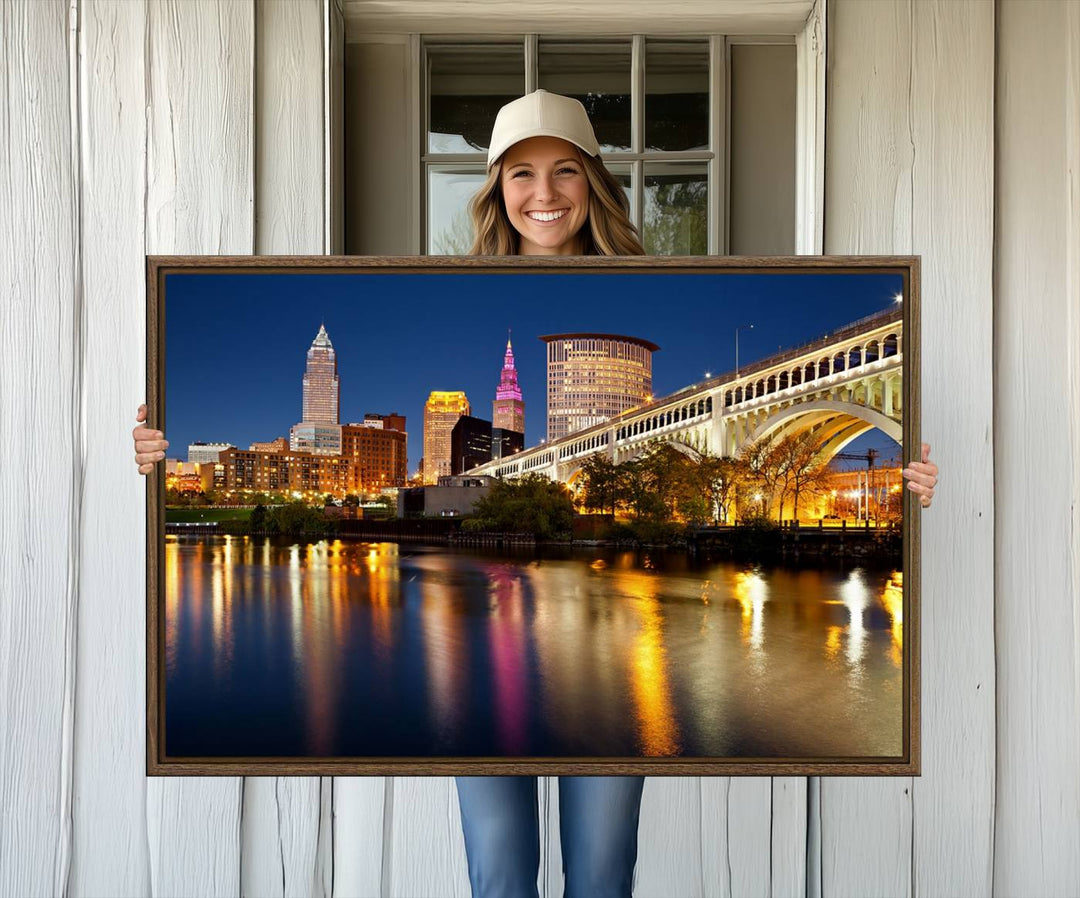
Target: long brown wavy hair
(607,231)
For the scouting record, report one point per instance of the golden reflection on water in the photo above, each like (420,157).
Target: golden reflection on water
(445,652)
(648,667)
(751,592)
(563,639)
(892,597)
(834,635)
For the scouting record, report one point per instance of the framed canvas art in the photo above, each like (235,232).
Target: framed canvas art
(605,515)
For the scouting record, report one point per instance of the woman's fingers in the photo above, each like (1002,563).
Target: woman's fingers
(150,444)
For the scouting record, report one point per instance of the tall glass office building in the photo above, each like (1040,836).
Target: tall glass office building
(441,413)
(594,377)
(322,399)
(319,431)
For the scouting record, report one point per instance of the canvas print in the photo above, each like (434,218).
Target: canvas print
(485,517)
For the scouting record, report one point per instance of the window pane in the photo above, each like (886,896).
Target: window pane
(597,74)
(450,231)
(466,86)
(676,95)
(623,175)
(676,209)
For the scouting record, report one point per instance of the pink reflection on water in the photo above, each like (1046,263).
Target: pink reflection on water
(508,641)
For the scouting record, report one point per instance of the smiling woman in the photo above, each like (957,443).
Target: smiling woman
(546,196)
(547,190)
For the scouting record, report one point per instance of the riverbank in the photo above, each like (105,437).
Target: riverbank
(739,543)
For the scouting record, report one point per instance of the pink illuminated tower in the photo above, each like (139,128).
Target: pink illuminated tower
(508,409)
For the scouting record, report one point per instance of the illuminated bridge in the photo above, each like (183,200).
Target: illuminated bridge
(838,386)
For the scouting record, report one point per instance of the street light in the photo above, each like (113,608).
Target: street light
(739,328)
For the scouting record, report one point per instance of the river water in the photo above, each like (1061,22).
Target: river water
(354,649)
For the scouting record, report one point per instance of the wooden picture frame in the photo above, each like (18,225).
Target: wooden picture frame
(700,295)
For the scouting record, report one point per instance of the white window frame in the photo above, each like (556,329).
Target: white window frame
(810,124)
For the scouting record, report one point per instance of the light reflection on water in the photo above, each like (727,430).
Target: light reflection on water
(371,649)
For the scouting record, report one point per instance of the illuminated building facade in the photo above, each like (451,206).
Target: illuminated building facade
(377,453)
(594,377)
(441,412)
(322,399)
(279,445)
(393,421)
(319,430)
(200,452)
(508,409)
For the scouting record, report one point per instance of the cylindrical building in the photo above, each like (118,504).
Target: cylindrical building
(593,377)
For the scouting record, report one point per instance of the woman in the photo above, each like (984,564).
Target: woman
(547,193)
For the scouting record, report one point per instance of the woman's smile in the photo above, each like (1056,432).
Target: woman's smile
(546,195)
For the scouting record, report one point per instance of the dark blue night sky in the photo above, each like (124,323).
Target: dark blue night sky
(236,344)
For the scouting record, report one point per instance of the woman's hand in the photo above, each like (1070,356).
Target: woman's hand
(149,444)
(922,477)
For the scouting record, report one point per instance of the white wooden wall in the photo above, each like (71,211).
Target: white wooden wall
(199,127)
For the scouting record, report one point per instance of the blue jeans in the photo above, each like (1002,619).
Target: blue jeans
(598,821)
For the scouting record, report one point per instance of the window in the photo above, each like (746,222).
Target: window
(659,107)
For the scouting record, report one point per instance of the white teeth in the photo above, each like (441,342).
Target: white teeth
(546,216)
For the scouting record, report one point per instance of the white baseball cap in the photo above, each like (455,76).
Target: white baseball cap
(541,114)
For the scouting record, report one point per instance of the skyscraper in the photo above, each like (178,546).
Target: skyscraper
(322,400)
(508,409)
(593,377)
(319,430)
(441,412)
(470,444)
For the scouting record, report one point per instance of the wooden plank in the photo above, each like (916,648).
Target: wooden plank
(199,198)
(1037,450)
(361,804)
(953,229)
(554,17)
(40,438)
(736,844)
(868,209)
(109,814)
(282,815)
(790,799)
(426,850)
(289,128)
(193,830)
(910,170)
(670,838)
(280,836)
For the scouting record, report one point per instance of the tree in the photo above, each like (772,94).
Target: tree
(257,521)
(791,465)
(602,486)
(676,218)
(713,479)
(807,470)
(530,504)
(764,471)
(297,517)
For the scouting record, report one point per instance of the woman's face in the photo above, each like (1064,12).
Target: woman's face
(546,195)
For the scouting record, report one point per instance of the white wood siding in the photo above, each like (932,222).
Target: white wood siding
(1037,450)
(909,149)
(135,127)
(41,444)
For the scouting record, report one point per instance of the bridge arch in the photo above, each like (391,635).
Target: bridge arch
(821,411)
